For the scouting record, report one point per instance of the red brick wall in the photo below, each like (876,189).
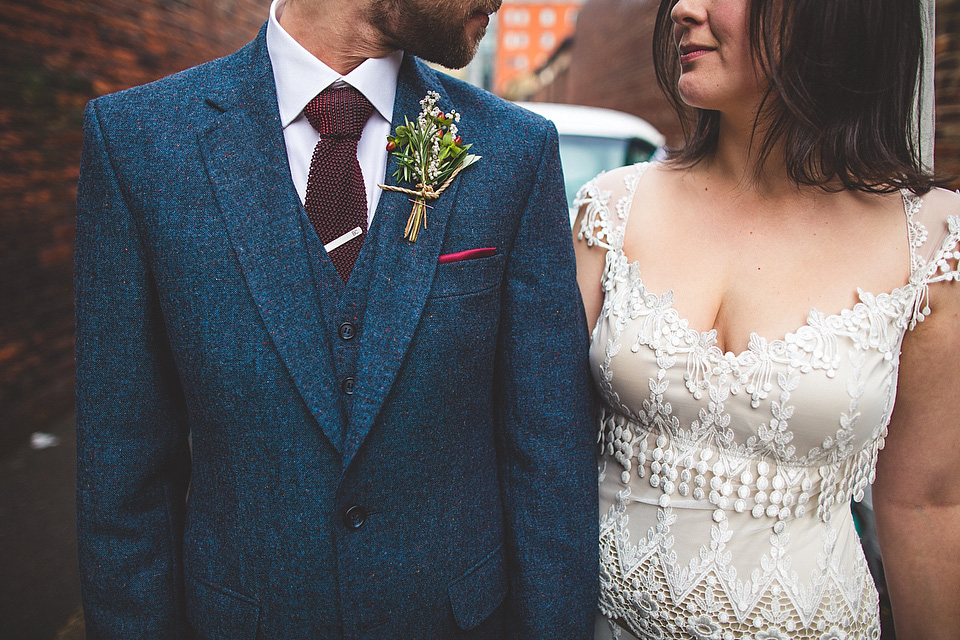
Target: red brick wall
(947,143)
(54,56)
(612,65)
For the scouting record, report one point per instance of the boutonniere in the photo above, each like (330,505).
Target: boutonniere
(429,155)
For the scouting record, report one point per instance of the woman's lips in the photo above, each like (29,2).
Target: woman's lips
(690,53)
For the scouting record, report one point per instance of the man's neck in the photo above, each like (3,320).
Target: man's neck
(337,33)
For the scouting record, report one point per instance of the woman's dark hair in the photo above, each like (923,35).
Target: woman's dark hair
(843,79)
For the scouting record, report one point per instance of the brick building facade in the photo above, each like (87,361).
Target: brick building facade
(55,55)
(610,66)
(947,140)
(527,32)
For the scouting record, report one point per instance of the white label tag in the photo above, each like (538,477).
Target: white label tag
(347,237)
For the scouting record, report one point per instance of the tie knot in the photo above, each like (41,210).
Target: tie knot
(339,112)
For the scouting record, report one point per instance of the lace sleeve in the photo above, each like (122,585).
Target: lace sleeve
(606,202)
(595,223)
(936,245)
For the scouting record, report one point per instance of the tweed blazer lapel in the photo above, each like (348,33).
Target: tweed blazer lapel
(402,272)
(246,161)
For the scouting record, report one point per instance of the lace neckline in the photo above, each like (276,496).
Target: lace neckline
(916,234)
(707,338)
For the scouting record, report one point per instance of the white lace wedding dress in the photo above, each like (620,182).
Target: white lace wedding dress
(726,479)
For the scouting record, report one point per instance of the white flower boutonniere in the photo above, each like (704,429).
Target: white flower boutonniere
(429,155)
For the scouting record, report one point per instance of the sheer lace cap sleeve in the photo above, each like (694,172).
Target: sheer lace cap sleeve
(606,202)
(934,222)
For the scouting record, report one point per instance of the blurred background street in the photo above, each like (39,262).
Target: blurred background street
(56,55)
(39,591)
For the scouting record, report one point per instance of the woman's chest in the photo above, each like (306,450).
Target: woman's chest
(816,395)
(741,267)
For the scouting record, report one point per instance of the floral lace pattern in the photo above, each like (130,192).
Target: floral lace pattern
(726,478)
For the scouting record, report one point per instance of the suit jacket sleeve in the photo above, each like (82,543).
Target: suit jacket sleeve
(549,473)
(133,456)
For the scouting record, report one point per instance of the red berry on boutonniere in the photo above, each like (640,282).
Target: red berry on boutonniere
(429,156)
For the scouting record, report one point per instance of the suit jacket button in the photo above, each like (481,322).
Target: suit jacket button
(354,517)
(347,331)
(347,386)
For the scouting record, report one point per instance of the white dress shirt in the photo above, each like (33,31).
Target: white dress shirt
(300,77)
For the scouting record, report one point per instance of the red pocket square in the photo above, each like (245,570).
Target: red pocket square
(469,254)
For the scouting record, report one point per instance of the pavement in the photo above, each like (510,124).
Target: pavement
(39,583)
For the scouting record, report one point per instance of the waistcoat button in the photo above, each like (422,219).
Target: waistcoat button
(354,517)
(347,386)
(347,331)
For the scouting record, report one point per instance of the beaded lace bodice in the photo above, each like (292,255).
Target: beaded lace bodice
(725,479)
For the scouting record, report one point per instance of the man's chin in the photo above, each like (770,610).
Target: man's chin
(451,59)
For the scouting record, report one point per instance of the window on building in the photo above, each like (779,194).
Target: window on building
(548,17)
(519,63)
(548,40)
(513,40)
(516,17)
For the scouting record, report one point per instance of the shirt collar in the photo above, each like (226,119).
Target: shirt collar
(300,76)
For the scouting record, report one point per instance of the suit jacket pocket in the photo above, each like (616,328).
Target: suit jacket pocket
(467,276)
(217,613)
(478,592)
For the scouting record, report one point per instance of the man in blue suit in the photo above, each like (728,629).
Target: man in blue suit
(270,447)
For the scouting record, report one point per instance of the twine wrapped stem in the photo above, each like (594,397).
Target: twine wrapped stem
(423,193)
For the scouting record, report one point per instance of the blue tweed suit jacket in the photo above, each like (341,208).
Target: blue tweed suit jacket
(249,469)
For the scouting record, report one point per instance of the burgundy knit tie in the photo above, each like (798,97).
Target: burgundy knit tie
(336,200)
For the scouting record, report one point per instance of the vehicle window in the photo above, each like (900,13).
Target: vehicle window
(583,157)
(639,151)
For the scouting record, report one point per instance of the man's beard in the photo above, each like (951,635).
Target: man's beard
(428,32)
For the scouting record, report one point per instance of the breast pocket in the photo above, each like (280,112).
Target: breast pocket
(217,613)
(478,592)
(467,277)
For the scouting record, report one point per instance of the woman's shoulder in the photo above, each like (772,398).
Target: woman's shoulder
(617,181)
(603,204)
(936,216)
(935,245)
(943,201)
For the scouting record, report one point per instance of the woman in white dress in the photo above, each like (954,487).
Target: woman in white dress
(773,305)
